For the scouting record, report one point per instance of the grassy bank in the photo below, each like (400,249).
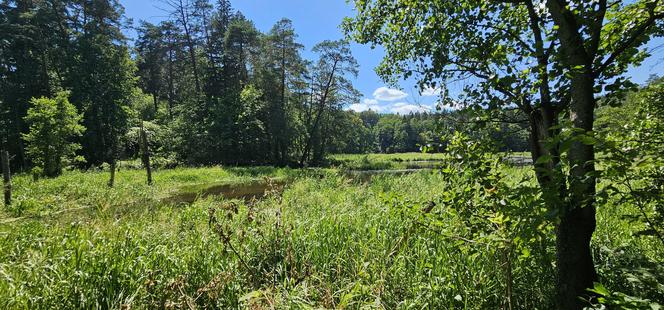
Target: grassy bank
(325,241)
(395,161)
(80,190)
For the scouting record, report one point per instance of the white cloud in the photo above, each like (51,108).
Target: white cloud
(368,101)
(361,107)
(406,108)
(365,105)
(430,91)
(389,94)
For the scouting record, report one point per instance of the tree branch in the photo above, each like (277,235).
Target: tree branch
(652,17)
(596,28)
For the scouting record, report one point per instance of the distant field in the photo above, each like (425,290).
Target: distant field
(385,161)
(389,157)
(397,161)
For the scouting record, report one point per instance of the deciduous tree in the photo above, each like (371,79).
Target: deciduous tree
(54,124)
(549,58)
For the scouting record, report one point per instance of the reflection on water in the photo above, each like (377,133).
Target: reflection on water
(245,191)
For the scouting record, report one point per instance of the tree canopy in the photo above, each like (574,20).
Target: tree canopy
(548,58)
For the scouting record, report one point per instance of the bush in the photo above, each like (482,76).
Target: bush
(53,125)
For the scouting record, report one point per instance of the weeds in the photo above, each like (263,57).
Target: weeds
(325,241)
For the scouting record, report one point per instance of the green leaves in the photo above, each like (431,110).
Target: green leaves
(444,40)
(54,124)
(633,155)
(600,289)
(621,300)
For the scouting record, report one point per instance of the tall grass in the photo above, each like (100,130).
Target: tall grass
(77,189)
(331,243)
(326,242)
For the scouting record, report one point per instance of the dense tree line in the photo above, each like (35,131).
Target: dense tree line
(371,132)
(209,87)
(78,46)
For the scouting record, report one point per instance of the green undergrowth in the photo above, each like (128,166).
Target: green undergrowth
(326,241)
(88,190)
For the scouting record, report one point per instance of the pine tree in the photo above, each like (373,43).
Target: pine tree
(284,66)
(33,42)
(330,89)
(152,60)
(102,78)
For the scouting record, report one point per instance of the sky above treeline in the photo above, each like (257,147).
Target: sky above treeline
(318,20)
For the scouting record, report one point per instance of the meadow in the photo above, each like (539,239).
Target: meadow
(320,240)
(397,161)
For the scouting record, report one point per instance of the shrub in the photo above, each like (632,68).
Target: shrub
(53,125)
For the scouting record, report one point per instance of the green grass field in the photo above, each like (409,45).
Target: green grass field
(326,241)
(76,190)
(384,161)
(394,161)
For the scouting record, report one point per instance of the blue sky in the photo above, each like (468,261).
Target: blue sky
(318,20)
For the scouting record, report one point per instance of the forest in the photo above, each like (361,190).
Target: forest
(199,162)
(205,84)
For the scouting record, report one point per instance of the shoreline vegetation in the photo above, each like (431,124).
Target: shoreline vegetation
(319,239)
(505,159)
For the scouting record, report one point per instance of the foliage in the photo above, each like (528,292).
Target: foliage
(349,135)
(331,90)
(54,123)
(547,58)
(46,49)
(634,162)
(419,240)
(621,300)
(186,76)
(159,140)
(501,213)
(251,134)
(477,233)
(311,246)
(390,133)
(631,162)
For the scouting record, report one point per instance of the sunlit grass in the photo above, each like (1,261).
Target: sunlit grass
(327,241)
(76,189)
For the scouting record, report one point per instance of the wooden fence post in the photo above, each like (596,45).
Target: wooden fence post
(145,149)
(111,180)
(6,177)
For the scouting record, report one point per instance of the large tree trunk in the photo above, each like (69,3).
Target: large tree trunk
(543,123)
(576,270)
(537,141)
